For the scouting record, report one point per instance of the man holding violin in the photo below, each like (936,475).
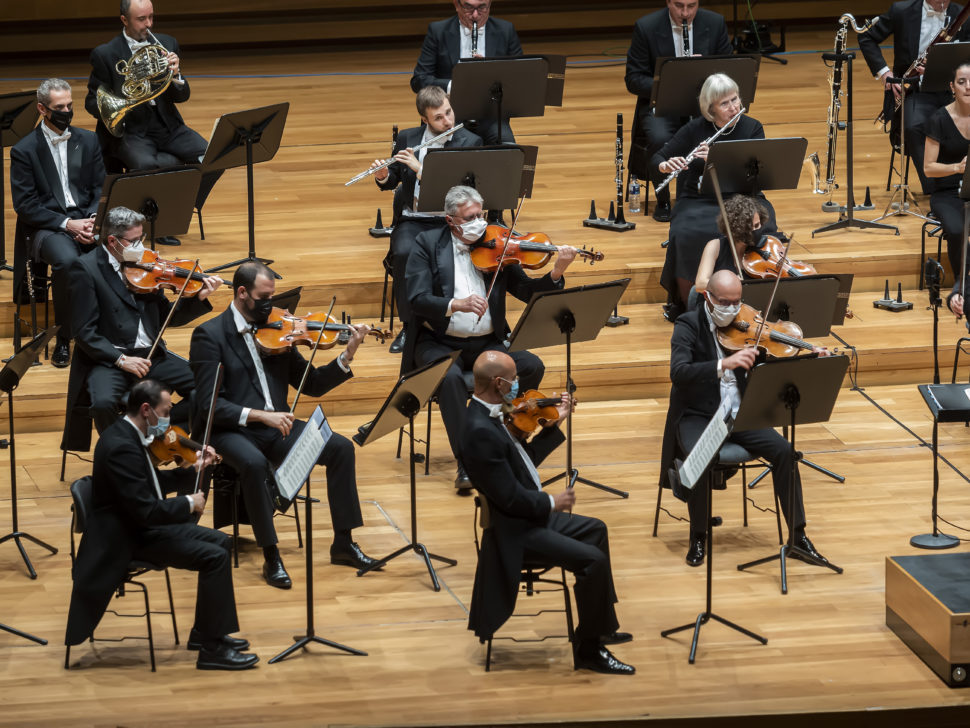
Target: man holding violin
(458,307)
(703,374)
(253,427)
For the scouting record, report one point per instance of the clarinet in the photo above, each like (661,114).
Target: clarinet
(474,38)
(619,169)
(684,31)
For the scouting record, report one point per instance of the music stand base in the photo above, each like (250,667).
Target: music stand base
(420,550)
(237,263)
(17,536)
(617,320)
(602,223)
(852,222)
(824,471)
(702,619)
(574,478)
(788,552)
(25,635)
(934,541)
(302,642)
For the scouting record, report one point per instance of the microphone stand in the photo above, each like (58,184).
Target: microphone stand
(933,274)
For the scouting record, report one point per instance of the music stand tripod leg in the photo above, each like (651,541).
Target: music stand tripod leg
(25,635)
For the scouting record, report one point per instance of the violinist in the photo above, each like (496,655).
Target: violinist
(253,428)
(452,310)
(115,328)
(744,215)
(703,374)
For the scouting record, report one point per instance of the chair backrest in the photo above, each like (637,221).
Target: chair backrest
(82,493)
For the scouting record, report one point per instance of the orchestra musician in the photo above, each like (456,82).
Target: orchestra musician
(253,427)
(448,40)
(404,178)
(693,219)
(453,311)
(913,24)
(528,524)
(744,215)
(657,35)
(114,328)
(702,375)
(132,519)
(947,140)
(56,174)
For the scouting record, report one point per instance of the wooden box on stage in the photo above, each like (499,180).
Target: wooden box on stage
(928,607)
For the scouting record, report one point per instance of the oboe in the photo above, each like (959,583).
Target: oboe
(474,38)
(686,33)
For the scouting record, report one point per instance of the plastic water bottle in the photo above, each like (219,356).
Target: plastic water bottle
(634,195)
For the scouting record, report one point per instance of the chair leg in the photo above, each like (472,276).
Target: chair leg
(781,538)
(387,276)
(400,441)
(656,513)
(488,655)
(148,622)
(569,607)
(390,321)
(63,463)
(171,606)
(427,443)
(744,492)
(922,255)
(67,657)
(198,211)
(892,162)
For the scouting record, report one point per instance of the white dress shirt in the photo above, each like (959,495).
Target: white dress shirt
(931,23)
(678,32)
(146,441)
(468,280)
(57,144)
(246,331)
(426,137)
(141,340)
(465,44)
(730,390)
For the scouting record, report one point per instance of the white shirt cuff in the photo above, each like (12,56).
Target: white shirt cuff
(178,81)
(720,370)
(191,503)
(450,311)
(64,223)
(552,502)
(341,362)
(881,71)
(244,416)
(448,90)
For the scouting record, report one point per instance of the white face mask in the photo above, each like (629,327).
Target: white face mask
(133,252)
(723,315)
(473,229)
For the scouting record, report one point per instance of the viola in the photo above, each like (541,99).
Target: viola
(531,250)
(778,340)
(176,446)
(153,273)
(283,330)
(767,260)
(531,410)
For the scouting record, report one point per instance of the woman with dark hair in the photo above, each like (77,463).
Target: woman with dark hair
(745,215)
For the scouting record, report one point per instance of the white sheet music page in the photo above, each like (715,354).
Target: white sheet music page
(704,452)
(299,461)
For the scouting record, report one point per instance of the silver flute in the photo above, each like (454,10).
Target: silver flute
(693,152)
(389,162)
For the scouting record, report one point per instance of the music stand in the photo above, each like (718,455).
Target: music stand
(25,635)
(749,166)
(246,138)
(789,392)
(498,173)
(16,122)
(10,377)
(166,197)
(409,396)
(567,316)
(902,189)
(941,60)
(677,81)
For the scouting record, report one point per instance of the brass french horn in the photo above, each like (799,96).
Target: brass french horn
(147,76)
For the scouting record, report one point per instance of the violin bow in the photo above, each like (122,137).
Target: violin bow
(727,223)
(216,386)
(505,250)
(963,267)
(171,310)
(774,290)
(313,351)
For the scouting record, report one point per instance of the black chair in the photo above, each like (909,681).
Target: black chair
(469,378)
(637,161)
(930,228)
(82,496)
(32,285)
(534,575)
(387,297)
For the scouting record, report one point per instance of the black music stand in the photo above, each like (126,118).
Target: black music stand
(789,392)
(499,174)
(749,166)
(677,81)
(409,396)
(166,197)
(309,637)
(567,316)
(947,403)
(10,377)
(941,61)
(246,138)
(16,122)
(902,188)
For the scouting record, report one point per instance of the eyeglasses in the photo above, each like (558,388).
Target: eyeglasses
(463,220)
(135,241)
(468,8)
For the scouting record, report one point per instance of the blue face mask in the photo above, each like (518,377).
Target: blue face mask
(513,391)
(159,429)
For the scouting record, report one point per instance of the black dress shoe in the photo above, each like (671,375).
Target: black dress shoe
(350,555)
(167,240)
(603,661)
(275,574)
(695,552)
(397,346)
(616,638)
(661,212)
(462,482)
(237,643)
(61,357)
(224,657)
(808,547)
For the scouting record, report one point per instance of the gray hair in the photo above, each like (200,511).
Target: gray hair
(460,195)
(715,88)
(51,84)
(119,221)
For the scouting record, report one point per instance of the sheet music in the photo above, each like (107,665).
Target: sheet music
(299,461)
(707,446)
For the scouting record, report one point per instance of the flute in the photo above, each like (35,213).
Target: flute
(693,152)
(389,162)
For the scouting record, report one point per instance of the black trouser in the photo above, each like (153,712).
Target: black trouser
(196,548)
(658,130)
(255,451)
(919,108)
(581,546)
(767,444)
(59,250)
(107,384)
(453,394)
(947,206)
(406,229)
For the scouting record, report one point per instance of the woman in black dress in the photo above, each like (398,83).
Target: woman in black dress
(744,215)
(693,220)
(945,159)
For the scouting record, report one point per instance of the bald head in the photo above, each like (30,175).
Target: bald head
(725,286)
(489,366)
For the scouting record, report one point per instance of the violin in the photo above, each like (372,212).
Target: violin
(176,446)
(529,411)
(283,330)
(767,260)
(778,340)
(153,273)
(532,250)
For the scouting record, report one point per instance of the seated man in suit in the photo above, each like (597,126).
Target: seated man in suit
(661,34)
(454,38)
(253,428)
(404,178)
(114,328)
(528,524)
(702,375)
(133,520)
(453,310)
(56,174)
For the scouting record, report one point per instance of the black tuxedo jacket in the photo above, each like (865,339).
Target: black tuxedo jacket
(126,513)
(441,49)
(217,340)
(402,178)
(653,39)
(515,506)
(105,57)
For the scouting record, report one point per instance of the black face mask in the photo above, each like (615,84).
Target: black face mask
(61,119)
(260,310)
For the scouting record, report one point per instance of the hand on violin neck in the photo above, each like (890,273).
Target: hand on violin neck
(472,304)
(565,254)
(209,284)
(565,408)
(358,332)
(743,358)
(956,304)
(210,459)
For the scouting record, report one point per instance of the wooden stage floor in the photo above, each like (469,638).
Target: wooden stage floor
(828,649)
